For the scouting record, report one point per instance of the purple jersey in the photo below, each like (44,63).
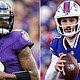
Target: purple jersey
(10,46)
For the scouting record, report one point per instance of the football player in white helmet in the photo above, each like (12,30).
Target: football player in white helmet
(67,18)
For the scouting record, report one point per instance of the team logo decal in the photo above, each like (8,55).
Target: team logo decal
(26,37)
(71,67)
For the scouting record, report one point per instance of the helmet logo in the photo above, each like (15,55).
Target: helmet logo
(76,6)
(66,7)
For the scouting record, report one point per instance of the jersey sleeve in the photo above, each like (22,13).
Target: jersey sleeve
(25,39)
(51,73)
(53,46)
(22,40)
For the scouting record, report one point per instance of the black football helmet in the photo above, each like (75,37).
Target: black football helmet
(6,15)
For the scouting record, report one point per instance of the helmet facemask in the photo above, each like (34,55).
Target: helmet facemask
(72,31)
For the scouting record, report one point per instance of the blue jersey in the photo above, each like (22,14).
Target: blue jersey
(59,45)
(10,46)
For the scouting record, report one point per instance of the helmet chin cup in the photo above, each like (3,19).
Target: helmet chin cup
(71,34)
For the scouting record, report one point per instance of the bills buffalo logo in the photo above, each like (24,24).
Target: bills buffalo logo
(67,6)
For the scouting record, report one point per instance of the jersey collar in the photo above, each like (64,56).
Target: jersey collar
(66,44)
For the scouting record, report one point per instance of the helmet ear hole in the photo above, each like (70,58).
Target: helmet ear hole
(59,21)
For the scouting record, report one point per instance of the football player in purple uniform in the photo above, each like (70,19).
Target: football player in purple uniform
(16,59)
(67,18)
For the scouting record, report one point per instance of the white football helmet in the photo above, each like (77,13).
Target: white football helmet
(68,9)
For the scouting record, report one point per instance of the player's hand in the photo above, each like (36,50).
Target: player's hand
(59,65)
(2,75)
